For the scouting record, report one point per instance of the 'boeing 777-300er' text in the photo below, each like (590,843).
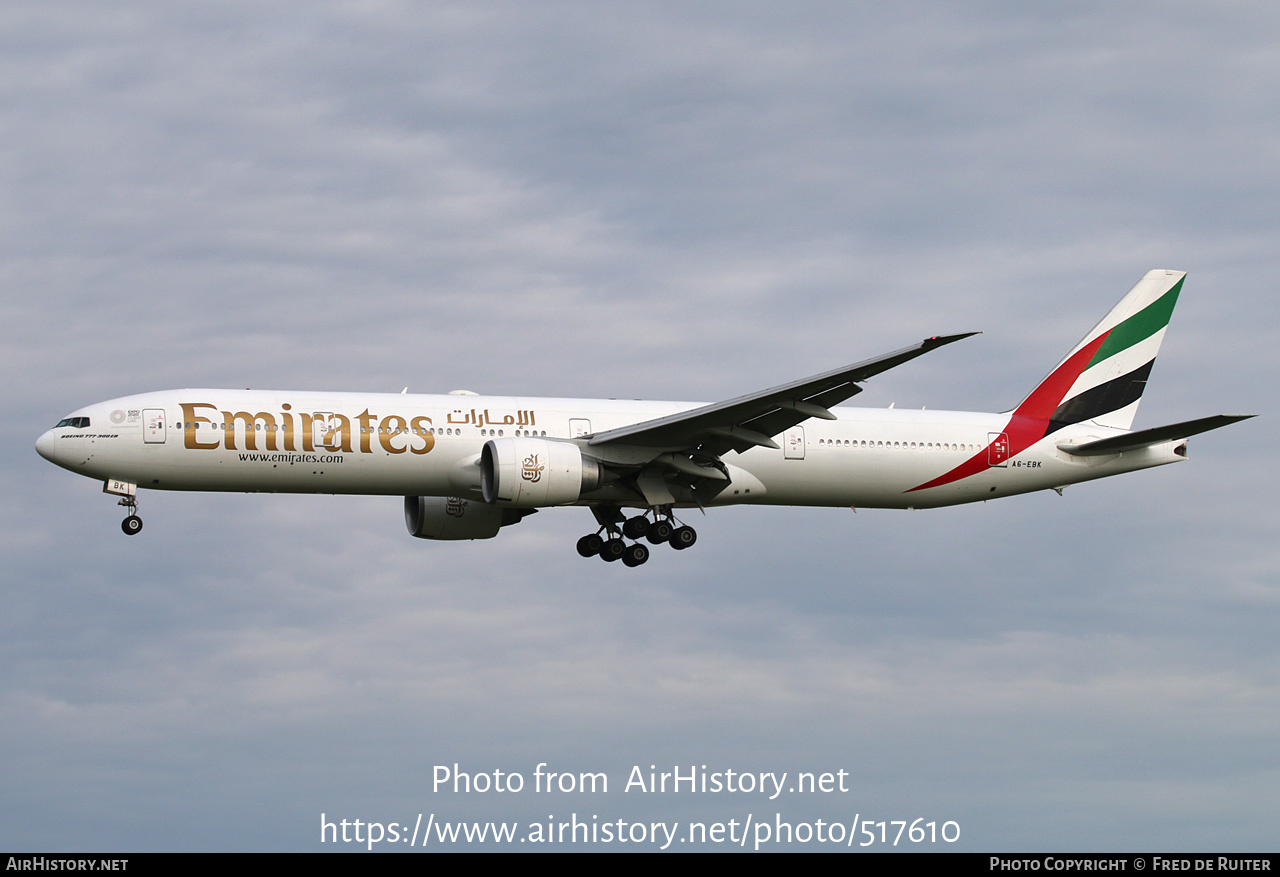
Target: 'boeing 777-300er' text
(469,465)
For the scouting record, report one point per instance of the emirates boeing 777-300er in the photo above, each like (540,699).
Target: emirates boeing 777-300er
(469,465)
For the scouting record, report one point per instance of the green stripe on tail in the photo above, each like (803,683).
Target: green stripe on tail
(1140,326)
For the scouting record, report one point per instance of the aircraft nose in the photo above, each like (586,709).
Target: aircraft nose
(45,445)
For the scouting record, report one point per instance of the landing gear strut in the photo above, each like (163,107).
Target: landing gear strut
(608,543)
(131,525)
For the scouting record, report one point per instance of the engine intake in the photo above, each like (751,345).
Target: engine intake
(536,472)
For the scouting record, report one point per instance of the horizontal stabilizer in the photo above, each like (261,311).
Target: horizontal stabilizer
(1145,437)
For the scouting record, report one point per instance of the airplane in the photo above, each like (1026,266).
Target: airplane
(469,465)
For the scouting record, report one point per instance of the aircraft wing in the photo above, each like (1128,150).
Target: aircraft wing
(753,420)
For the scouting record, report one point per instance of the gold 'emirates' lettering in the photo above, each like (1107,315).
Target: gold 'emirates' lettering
(288,426)
(338,438)
(332,432)
(250,429)
(423,433)
(308,432)
(189,421)
(390,428)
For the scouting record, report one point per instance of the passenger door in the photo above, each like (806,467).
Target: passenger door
(153,421)
(793,443)
(998,450)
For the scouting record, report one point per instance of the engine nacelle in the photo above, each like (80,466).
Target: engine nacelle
(535,472)
(451,517)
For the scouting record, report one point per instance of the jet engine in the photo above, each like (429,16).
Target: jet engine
(534,472)
(451,517)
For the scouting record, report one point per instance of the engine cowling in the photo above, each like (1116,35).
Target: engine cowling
(535,472)
(451,517)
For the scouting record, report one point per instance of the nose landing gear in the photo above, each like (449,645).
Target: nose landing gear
(131,525)
(128,493)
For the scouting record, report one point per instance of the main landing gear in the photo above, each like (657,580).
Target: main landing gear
(608,544)
(131,525)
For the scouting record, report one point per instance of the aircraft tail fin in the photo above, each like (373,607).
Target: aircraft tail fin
(1101,380)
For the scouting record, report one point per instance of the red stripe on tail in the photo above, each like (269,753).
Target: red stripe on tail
(1030,420)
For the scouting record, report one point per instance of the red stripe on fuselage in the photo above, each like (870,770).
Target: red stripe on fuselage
(1029,421)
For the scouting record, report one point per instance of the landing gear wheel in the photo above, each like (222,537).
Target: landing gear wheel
(635,555)
(131,525)
(613,550)
(590,545)
(683,537)
(659,532)
(635,527)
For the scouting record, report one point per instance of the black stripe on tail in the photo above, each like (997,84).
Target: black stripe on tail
(1102,399)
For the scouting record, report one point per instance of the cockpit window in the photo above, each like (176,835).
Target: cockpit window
(77,422)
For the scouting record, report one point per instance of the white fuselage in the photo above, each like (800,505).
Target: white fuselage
(429,445)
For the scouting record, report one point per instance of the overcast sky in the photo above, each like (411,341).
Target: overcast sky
(656,200)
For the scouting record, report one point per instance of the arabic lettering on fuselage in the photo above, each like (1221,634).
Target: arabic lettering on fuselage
(483,418)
